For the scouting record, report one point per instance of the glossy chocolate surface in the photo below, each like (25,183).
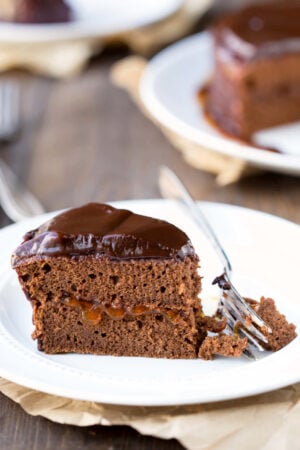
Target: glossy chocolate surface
(101,230)
(261,30)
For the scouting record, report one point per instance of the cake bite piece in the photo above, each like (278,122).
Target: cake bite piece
(230,346)
(107,281)
(256,79)
(283,332)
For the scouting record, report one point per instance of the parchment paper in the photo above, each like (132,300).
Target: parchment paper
(269,421)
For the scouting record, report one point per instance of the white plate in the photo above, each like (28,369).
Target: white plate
(265,253)
(93,18)
(169,91)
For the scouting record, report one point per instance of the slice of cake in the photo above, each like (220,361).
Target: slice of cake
(107,281)
(35,11)
(256,81)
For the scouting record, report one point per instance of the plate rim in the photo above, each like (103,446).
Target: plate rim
(275,384)
(220,144)
(14,33)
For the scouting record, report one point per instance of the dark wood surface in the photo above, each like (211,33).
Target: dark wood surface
(84,140)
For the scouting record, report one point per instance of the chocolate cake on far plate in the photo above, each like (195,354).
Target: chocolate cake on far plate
(35,11)
(256,80)
(107,281)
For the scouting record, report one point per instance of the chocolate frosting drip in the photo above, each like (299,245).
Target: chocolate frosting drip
(101,230)
(261,30)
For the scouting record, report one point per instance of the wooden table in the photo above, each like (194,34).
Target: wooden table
(84,140)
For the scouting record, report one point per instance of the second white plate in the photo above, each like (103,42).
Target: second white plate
(169,91)
(92,18)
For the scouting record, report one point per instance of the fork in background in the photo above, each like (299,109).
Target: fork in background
(17,202)
(9,110)
(240,316)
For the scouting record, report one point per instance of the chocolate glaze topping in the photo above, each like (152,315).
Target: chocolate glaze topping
(101,230)
(261,30)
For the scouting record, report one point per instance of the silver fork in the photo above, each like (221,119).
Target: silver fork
(239,314)
(17,202)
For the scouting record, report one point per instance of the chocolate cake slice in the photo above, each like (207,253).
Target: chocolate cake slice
(256,80)
(107,281)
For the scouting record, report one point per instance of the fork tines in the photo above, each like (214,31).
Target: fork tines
(241,317)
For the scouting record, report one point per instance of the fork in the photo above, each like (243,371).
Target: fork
(17,202)
(239,315)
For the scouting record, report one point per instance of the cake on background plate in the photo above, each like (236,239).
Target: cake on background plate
(256,80)
(35,11)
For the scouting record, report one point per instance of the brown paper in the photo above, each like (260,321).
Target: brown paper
(127,74)
(264,422)
(62,60)
(147,40)
(66,59)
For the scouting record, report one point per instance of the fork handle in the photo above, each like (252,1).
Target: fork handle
(17,202)
(172,187)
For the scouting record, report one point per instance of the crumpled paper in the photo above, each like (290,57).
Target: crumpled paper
(126,74)
(61,60)
(264,422)
(67,59)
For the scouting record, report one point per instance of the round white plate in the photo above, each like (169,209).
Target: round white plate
(169,91)
(93,18)
(265,253)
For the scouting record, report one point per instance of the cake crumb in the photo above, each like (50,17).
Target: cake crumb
(224,345)
(214,324)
